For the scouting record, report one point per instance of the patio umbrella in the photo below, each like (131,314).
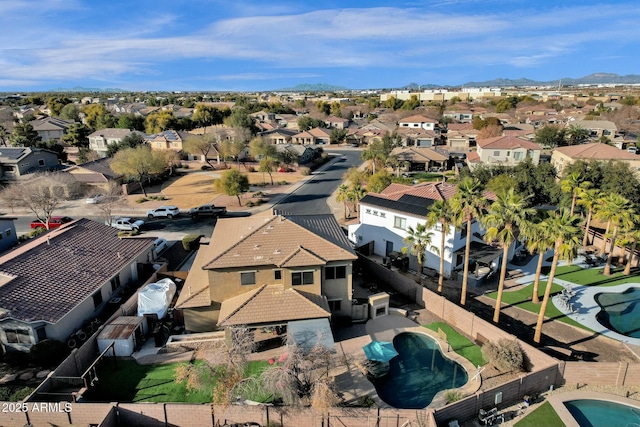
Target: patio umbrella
(380,351)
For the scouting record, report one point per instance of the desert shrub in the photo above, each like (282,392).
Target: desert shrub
(37,231)
(304,171)
(20,394)
(205,168)
(257,194)
(506,355)
(283,182)
(366,401)
(47,353)
(452,395)
(249,204)
(5,393)
(190,242)
(141,199)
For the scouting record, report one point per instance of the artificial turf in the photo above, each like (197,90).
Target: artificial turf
(459,343)
(544,415)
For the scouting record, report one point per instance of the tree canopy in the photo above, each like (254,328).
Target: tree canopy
(139,163)
(232,183)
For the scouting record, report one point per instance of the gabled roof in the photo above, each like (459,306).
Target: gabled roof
(415,154)
(596,151)
(51,123)
(272,304)
(86,172)
(50,275)
(507,143)
(112,133)
(15,154)
(417,118)
(319,132)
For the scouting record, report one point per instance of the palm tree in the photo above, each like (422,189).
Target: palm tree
(356,193)
(505,216)
(468,202)
(572,184)
(538,241)
(342,195)
(631,236)
(565,230)
(577,134)
(617,210)
(418,241)
(440,212)
(590,199)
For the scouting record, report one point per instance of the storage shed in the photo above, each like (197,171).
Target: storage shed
(126,332)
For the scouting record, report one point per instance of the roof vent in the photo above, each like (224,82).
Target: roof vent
(277,251)
(256,247)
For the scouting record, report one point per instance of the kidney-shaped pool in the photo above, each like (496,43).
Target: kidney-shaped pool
(418,373)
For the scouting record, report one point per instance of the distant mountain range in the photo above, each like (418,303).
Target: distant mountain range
(318,87)
(88,89)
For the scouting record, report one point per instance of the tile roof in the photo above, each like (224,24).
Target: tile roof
(53,273)
(596,151)
(100,166)
(271,304)
(418,154)
(112,133)
(417,118)
(507,143)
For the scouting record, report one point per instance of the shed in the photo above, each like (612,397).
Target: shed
(126,332)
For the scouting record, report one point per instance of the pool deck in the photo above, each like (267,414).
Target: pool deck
(557,401)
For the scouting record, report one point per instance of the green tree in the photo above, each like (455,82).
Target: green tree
(379,181)
(56,104)
(130,121)
(411,104)
(418,241)
(77,135)
(159,121)
(260,148)
(199,145)
(356,193)
(97,117)
(469,203)
(267,165)
(440,212)
(572,184)
(70,112)
(138,164)
(508,213)
(565,231)
(240,118)
(337,136)
(618,212)
(590,199)
(577,134)
(24,136)
(538,241)
(323,107)
(336,109)
(205,115)
(132,140)
(550,136)
(343,195)
(232,183)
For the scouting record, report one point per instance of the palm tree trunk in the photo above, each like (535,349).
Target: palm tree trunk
(607,265)
(536,283)
(627,267)
(547,293)
(465,273)
(604,239)
(441,278)
(573,202)
(585,240)
(503,275)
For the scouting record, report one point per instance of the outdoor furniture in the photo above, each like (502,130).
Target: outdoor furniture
(487,418)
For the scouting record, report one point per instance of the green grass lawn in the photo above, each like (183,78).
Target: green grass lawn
(130,382)
(544,415)
(459,343)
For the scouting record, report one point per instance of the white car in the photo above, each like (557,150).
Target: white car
(163,212)
(159,245)
(96,198)
(127,224)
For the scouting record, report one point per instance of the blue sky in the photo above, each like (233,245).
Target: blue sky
(247,45)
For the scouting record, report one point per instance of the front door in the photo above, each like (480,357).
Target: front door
(389,248)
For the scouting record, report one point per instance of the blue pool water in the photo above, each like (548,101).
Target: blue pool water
(620,311)
(418,372)
(602,413)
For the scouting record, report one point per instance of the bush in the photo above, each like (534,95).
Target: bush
(506,355)
(191,242)
(452,395)
(5,393)
(205,168)
(304,171)
(37,231)
(366,401)
(48,353)
(20,394)
(283,182)
(125,233)
(257,194)
(141,199)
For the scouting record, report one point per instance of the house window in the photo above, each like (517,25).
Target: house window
(277,274)
(18,336)
(337,272)
(302,278)
(248,278)
(8,232)
(368,211)
(41,162)
(400,223)
(517,155)
(508,153)
(375,213)
(334,304)
(41,333)
(115,283)
(97,299)
(383,215)
(496,153)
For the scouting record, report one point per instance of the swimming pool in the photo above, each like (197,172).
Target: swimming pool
(418,373)
(620,311)
(603,413)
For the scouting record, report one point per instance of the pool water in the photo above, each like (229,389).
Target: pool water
(602,413)
(620,311)
(418,372)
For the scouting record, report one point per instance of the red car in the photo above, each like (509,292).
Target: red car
(54,221)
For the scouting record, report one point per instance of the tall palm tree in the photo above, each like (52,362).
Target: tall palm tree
(589,198)
(356,193)
(418,241)
(618,211)
(506,215)
(573,184)
(630,239)
(577,134)
(538,241)
(440,212)
(565,231)
(468,203)
(342,195)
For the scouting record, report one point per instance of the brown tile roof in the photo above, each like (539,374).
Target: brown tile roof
(272,304)
(507,143)
(596,151)
(460,126)
(56,271)
(418,154)
(417,118)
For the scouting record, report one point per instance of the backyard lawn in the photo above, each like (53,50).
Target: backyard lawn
(130,382)
(544,415)
(459,343)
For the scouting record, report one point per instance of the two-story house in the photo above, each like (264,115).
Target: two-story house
(315,136)
(269,270)
(100,140)
(51,284)
(418,121)
(167,140)
(564,156)
(8,235)
(51,128)
(386,216)
(505,151)
(19,161)
(420,159)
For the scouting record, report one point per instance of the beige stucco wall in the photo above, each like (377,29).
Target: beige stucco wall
(201,319)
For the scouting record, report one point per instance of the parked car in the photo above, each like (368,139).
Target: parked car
(96,198)
(127,224)
(163,212)
(159,245)
(208,210)
(54,221)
